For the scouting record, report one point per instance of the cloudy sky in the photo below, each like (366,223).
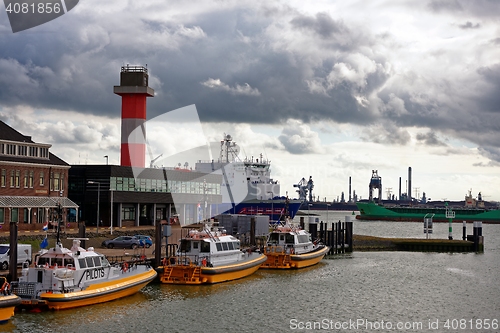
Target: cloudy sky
(329,89)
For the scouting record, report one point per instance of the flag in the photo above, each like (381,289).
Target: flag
(45,227)
(44,243)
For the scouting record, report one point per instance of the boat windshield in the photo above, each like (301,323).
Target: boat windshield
(273,238)
(185,245)
(303,238)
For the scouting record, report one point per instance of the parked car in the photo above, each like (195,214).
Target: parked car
(123,242)
(145,240)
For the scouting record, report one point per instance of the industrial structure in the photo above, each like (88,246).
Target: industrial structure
(375,183)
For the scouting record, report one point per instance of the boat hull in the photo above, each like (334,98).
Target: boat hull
(372,211)
(193,274)
(7,305)
(97,293)
(277,258)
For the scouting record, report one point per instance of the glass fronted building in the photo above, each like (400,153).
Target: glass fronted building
(129,197)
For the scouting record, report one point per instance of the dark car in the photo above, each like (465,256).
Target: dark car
(123,242)
(145,240)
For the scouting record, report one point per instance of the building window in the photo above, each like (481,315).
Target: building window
(56,181)
(30,182)
(11,149)
(33,151)
(18,179)
(22,150)
(2,148)
(14,215)
(44,152)
(62,182)
(25,178)
(42,179)
(11,178)
(51,181)
(3,178)
(128,213)
(2,215)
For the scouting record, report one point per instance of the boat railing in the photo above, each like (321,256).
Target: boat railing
(279,249)
(24,289)
(188,260)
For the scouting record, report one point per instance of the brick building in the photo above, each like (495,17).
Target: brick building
(33,182)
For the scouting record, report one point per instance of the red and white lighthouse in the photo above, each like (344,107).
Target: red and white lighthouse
(134,90)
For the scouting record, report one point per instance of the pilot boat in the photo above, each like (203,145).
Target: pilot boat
(64,278)
(290,247)
(209,256)
(8,302)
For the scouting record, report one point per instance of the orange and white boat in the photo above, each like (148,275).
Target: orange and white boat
(289,247)
(209,256)
(64,278)
(8,302)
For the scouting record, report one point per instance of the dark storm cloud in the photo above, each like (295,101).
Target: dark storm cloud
(469,25)
(481,8)
(445,5)
(322,24)
(429,139)
(246,63)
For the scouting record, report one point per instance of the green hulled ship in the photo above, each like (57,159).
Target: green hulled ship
(373,211)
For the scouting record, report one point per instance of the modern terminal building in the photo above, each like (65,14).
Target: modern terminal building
(130,194)
(155,195)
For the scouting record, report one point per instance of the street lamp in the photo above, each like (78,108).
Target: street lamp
(98,198)
(111,213)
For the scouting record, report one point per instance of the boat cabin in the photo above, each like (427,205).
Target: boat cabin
(209,248)
(292,240)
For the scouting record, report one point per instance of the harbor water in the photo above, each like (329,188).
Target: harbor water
(357,292)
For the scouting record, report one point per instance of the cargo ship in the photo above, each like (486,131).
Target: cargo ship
(373,211)
(247,186)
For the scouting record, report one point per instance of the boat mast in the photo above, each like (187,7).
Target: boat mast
(59,218)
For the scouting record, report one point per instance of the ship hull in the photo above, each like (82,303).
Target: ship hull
(274,208)
(328,206)
(372,211)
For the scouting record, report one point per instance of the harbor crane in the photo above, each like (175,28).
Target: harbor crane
(304,188)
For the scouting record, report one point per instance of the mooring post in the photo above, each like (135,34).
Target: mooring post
(348,227)
(13,251)
(158,228)
(252,231)
(313,230)
(334,237)
(343,237)
(464,230)
(475,235)
(321,235)
(339,235)
(329,238)
(81,233)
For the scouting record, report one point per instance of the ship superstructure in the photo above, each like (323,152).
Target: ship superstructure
(247,186)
